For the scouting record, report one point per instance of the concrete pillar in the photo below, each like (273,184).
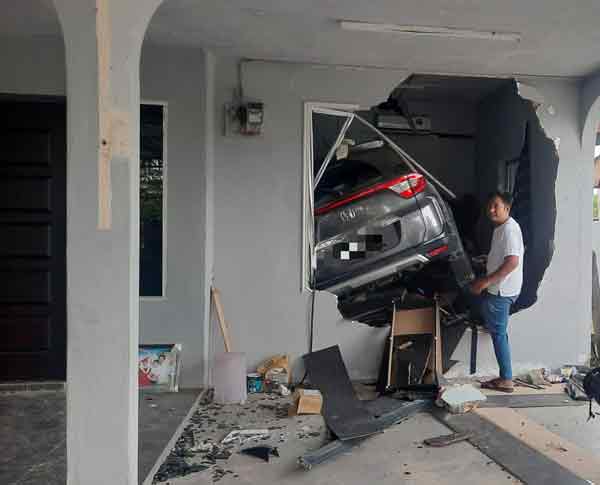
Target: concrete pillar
(103,43)
(209,201)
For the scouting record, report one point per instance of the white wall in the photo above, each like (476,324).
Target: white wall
(176,76)
(258,225)
(258,187)
(257,229)
(32,66)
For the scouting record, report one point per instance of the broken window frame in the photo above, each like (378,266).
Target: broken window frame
(310,182)
(308,260)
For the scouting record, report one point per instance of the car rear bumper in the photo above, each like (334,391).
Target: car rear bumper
(392,265)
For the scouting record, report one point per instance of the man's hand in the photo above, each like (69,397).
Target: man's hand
(479,285)
(508,266)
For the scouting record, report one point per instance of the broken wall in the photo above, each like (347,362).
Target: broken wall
(258,224)
(510,129)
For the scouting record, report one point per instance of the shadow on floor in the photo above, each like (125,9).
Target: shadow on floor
(33,433)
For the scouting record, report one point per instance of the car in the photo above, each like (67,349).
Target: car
(384,235)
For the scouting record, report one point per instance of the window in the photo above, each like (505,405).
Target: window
(314,154)
(152,200)
(343,155)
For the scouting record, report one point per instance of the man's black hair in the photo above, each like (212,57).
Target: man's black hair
(505,197)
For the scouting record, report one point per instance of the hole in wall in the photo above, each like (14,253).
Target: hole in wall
(472,136)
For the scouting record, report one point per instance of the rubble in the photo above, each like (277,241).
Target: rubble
(215,432)
(460,399)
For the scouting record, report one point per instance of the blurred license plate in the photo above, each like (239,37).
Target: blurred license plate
(358,248)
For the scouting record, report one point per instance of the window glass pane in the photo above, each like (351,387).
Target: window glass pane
(151,200)
(365,160)
(326,129)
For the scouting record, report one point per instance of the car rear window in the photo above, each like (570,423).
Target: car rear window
(362,169)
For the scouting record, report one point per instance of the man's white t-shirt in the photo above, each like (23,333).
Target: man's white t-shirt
(506,241)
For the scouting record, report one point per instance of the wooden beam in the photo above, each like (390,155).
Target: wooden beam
(103,46)
(216,296)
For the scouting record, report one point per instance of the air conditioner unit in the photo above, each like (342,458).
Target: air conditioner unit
(397,122)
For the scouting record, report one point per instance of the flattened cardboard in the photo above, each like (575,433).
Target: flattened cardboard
(307,401)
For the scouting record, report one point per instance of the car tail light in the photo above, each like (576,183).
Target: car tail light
(406,187)
(437,251)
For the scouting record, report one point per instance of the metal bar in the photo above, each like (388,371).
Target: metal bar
(332,150)
(474,338)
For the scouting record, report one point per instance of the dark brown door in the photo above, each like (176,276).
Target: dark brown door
(33,327)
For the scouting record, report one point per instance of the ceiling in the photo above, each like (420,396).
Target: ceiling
(558,37)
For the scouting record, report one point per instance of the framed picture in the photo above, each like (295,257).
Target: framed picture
(159,366)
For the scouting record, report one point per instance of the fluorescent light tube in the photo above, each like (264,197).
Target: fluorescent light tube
(420,30)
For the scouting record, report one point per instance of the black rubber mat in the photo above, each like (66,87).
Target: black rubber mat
(345,415)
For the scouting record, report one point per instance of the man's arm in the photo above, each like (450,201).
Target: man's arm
(508,266)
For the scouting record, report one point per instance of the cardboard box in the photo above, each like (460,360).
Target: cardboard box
(307,401)
(414,322)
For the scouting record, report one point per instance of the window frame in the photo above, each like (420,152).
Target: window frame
(163,296)
(307,171)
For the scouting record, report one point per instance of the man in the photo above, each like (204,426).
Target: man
(499,289)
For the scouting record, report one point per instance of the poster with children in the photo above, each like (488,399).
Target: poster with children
(159,367)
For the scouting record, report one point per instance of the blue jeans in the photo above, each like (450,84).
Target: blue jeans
(495,310)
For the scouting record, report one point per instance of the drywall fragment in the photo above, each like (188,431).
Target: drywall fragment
(461,399)
(527,91)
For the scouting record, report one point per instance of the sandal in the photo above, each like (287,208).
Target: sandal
(494,385)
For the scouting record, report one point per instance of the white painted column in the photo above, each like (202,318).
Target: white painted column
(209,201)
(103,42)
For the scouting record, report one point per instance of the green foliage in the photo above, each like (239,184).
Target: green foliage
(151,190)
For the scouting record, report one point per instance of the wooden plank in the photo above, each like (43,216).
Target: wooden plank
(216,295)
(103,36)
(568,455)
(521,460)
(411,322)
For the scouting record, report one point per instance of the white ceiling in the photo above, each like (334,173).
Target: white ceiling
(559,38)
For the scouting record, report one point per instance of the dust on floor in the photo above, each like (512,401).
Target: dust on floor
(395,457)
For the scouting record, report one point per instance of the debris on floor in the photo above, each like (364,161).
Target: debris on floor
(460,399)
(535,377)
(307,401)
(275,372)
(216,432)
(447,439)
(575,388)
(349,419)
(243,435)
(262,452)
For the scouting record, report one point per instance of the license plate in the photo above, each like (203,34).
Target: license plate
(358,249)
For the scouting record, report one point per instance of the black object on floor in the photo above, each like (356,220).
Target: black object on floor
(345,415)
(529,401)
(447,439)
(525,463)
(263,452)
(389,412)
(474,343)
